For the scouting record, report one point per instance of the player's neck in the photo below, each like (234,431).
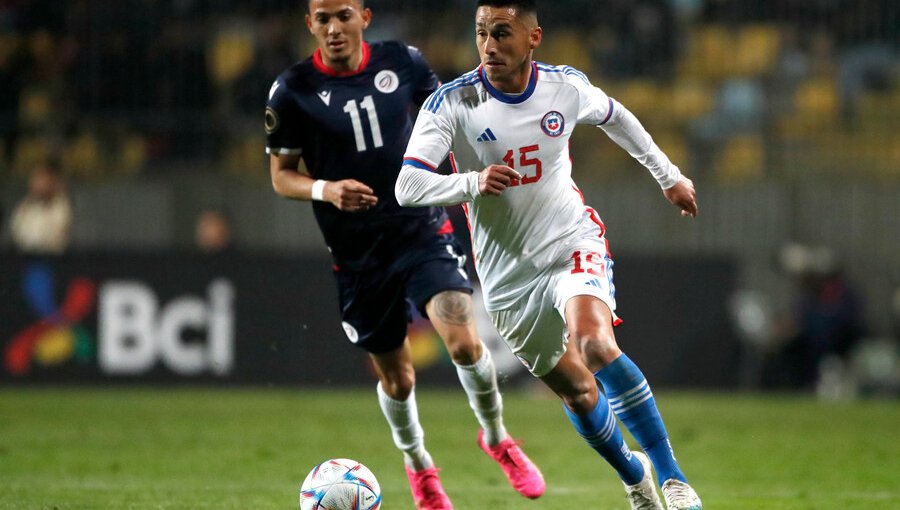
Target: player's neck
(344,66)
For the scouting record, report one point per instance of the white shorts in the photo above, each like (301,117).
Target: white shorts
(534,327)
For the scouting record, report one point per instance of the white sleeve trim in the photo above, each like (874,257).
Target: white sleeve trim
(626,130)
(284,151)
(417,187)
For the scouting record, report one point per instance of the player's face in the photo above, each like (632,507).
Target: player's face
(505,40)
(338,26)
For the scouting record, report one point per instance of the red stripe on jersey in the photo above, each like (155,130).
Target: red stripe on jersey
(417,160)
(320,65)
(446,228)
(594,216)
(453,163)
(617,321)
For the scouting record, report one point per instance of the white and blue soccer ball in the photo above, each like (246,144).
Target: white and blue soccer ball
(340,484)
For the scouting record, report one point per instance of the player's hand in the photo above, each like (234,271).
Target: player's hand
(350,195)
(683,196)
(496,178)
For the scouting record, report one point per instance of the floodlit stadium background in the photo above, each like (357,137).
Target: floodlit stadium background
(786,114)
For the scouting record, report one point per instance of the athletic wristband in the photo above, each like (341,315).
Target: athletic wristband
(318,190)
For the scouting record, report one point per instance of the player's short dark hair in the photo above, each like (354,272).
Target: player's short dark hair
(361,3)
(522,5)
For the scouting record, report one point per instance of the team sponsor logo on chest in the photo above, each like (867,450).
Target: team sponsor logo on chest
(553,124)
(387,81)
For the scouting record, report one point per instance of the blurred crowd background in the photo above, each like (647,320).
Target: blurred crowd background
(146,117)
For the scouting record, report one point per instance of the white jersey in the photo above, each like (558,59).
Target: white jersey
(522,233)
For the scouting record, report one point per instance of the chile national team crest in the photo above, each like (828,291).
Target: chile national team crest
(553,123)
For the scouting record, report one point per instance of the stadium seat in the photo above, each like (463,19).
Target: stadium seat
(566,48)
(688,99)
(82,157)
(231,54)
(640,96)
(709,54)
(817,97)
(30,151)
(757,50)
(742,159)
(35,107)
(9,44)
(132,154)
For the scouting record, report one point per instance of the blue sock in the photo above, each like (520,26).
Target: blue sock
(630,397)
(600,430)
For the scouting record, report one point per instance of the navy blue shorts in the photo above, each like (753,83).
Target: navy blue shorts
(376,304)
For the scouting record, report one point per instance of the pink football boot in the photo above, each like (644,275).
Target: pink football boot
(522,474)
(427,490)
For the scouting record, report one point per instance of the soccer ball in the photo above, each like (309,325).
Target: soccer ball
(340,484)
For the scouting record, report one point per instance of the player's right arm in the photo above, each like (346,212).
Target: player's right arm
(284,143)
(419,185)
(348,195)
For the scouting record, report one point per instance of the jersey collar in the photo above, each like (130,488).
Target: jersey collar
(324,69)
(506,98)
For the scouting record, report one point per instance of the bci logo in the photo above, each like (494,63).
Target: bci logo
(135,330)
(189,335)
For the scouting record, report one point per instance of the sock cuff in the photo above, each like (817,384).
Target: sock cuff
(387,400)
(620,377)
(600,422)
(482,365)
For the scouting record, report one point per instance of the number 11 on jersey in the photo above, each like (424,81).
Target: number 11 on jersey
(367,104)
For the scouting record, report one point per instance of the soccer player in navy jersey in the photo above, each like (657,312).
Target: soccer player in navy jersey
(346,113)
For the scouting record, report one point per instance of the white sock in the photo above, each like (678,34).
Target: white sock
(403,417)
(480,382)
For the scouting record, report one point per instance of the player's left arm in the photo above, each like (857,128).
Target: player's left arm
(626,130)
(596,108)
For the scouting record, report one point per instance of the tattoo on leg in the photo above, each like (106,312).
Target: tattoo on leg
(453,308)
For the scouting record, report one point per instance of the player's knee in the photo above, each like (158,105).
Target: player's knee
(581,397)
(598,348)
(465,351)
(399,385)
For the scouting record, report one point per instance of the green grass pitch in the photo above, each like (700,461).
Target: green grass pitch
(250,448)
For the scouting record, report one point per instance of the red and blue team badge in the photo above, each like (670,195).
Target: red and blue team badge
(553,124)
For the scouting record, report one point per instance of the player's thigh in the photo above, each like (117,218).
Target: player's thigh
(373,309)
(590,325)
(533,330)
(453,316)
(438,286)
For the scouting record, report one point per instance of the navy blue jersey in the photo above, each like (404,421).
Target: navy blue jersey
(356,126)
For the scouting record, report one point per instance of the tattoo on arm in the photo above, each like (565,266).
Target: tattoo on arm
(453,308)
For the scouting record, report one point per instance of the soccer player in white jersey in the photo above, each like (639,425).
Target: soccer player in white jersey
(539,250)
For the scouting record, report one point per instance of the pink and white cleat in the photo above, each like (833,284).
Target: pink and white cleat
(522,474)
(427,491)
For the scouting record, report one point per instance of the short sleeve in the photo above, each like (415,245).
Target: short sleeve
(426,81)
(284,122)
(594,106)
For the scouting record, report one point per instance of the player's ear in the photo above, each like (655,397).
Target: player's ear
(537,35)
(367,17)
(309,23)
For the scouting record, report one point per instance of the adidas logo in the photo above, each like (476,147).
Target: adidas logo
(595,282)
(487,136)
